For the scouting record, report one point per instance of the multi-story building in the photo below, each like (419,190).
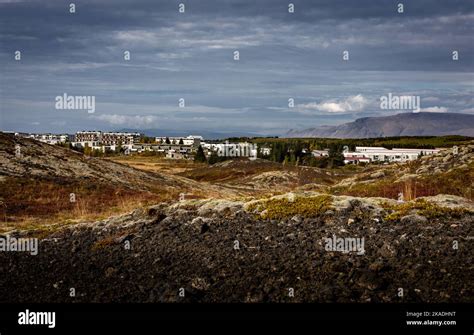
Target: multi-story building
(119,138)
(109,139)
(86,136)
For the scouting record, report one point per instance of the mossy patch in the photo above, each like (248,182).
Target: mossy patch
(422,207)
(283,208)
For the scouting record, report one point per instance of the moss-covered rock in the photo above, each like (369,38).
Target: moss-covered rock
(424,208)
(278,208)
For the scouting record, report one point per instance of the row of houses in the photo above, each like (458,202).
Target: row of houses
(170,147)
(186,147)
(188,140)
(52,139)
(172,151)
(130,143)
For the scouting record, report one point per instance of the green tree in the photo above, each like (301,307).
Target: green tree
(147,139)
(335,156)
(200,156)
(214,158)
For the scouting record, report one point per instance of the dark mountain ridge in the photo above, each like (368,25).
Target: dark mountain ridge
(404,124)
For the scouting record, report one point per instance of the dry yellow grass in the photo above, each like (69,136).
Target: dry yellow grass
(36,204)
(83,211)
(158,164)
(409,190)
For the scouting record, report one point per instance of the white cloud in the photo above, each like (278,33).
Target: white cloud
(132,121)
(351,104)
(434,109)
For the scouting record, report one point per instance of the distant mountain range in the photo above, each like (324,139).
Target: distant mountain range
(405,124)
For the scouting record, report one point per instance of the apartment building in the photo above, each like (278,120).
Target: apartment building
(108,139)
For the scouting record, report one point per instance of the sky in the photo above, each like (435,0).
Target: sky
(190,56)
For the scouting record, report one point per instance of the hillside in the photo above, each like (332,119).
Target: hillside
(254,230)
(404,124)
(36,186)
(43,161)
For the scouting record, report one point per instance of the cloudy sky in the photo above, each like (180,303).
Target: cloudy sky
(190,56)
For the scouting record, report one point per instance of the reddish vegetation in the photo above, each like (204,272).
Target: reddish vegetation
(452,182)
(48,199)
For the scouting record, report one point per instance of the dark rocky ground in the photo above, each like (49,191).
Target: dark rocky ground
(192,247)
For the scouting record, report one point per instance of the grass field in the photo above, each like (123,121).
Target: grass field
(158,164)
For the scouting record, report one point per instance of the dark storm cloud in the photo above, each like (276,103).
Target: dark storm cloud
(189,56)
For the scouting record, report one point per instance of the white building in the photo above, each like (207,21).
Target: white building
(47,138)
(188,140)
(103,141)
(265,151)
(381,154)
(106,138)
(356,159)
(175,154)
(320,153)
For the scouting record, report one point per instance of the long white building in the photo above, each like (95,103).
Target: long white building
(381,154)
